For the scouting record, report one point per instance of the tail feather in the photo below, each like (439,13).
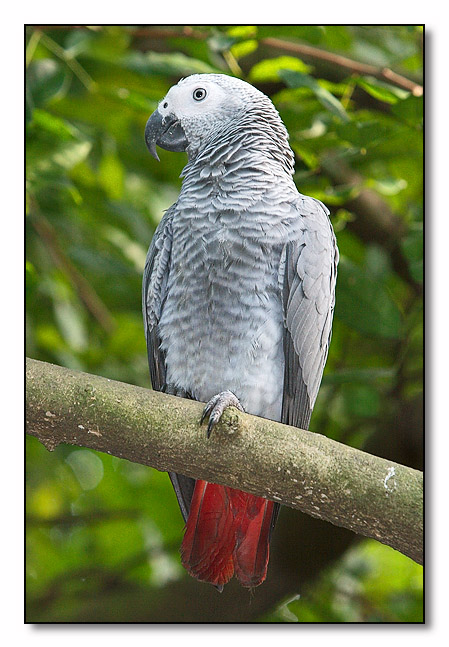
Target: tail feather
(206,550)
(252,550)
(227,530)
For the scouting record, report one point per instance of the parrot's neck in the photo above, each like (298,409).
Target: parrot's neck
(247,161)
(255,134)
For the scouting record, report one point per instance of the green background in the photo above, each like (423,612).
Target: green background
(103,534)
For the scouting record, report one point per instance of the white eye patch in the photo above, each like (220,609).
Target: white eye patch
(190,99)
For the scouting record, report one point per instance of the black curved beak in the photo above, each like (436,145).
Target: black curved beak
(166,132)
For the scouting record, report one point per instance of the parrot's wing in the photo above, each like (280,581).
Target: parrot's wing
(308,273)
(154,292)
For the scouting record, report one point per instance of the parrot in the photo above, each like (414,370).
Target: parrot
(238,298)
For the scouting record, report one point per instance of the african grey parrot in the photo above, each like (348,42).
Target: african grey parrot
(238,298)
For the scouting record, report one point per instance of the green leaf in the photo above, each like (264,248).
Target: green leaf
(61,128)
(243,32)
(388,185)
(244,48)
(381,90)
(410,110)
(134,252)
(413,249)
(364,304)
(244,40)
(220,42)
(45,79)
(102,43)
(337,195)
(310,33)
(87,467)
(111,175)
(309,158)
(298,80)
(363,134)
(268,69)
(64,155)
(174,64)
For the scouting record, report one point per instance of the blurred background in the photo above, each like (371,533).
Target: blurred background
(103,534)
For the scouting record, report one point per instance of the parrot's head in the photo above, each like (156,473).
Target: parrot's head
(202,107)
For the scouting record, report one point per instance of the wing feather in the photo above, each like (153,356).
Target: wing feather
(154,292)
(154,289)
(309,269)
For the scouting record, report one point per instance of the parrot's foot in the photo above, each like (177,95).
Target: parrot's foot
(215,407)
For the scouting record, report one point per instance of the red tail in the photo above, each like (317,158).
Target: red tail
(227,531)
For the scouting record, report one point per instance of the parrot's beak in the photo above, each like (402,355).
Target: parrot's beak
(166,132)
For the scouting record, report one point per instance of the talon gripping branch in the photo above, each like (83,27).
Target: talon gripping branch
(238,298)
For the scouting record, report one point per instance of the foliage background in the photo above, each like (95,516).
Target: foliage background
(103,534)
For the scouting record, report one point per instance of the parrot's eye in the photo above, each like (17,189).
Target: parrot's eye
(199,94)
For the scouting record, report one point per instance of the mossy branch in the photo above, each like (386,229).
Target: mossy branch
(369,495)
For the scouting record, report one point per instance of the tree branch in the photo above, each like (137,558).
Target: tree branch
(300,49)
(355,67)
(345,486)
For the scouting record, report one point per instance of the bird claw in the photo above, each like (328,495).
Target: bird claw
(216,406)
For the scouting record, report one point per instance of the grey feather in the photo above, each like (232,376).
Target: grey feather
(155,277)
(309,298)
(154,290)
